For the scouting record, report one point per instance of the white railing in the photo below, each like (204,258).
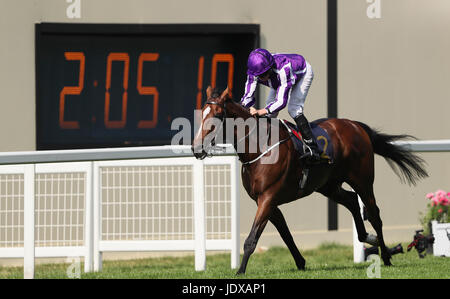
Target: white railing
(85,202)
(414,146)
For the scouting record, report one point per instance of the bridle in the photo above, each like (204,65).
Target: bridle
(222,117)
(223,106)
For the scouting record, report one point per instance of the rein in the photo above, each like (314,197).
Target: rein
(265,152)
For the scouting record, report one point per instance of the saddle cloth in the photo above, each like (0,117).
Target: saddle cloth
(323,139)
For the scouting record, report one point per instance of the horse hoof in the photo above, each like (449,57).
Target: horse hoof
(301,267)
(387,260)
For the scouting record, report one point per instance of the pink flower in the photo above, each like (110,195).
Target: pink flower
(444,201)
(440,211)
(435,201)
(441,193)
(440,197)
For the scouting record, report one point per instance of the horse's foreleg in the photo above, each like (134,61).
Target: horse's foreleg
(261,218)
(279,222)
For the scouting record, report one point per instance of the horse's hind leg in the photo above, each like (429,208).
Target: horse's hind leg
(279,222)
(349,199)
(368,198)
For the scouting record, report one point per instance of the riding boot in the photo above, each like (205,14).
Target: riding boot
(308,138)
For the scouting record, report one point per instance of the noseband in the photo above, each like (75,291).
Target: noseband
(222,117)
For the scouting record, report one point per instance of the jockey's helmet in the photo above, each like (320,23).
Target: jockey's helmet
(259,61)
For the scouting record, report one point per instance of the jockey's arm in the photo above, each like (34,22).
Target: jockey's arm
(283,91)
(248,99)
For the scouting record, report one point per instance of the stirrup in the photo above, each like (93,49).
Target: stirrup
(311,156)
(310,149)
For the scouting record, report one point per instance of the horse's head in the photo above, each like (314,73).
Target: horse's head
(213,116)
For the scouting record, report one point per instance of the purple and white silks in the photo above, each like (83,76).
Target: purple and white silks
(289,69)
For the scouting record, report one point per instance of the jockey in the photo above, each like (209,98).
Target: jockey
(289,77)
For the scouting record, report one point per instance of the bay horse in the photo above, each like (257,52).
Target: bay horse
(274,184)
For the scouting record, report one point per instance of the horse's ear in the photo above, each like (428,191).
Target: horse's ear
(226,94)
(208,92)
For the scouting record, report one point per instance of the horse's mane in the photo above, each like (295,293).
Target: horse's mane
(239,109)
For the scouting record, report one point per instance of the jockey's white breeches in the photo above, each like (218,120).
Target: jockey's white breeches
(297,96)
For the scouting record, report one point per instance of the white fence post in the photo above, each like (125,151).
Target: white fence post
(97,216)
(358,247)
(199,215)
(235,228)
(28,221)
(89,219)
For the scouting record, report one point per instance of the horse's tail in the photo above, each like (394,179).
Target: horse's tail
(410,165)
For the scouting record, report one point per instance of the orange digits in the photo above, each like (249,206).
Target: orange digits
(116,124)
(201,63)
(143,90)
(223,58)
(71,90)
(148,90)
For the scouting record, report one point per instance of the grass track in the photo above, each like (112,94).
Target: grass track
(328,261)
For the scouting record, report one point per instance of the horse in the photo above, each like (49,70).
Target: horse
(273,184)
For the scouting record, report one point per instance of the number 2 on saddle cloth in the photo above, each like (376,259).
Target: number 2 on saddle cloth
(322,137)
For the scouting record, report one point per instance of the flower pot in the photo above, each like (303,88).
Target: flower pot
(441,233)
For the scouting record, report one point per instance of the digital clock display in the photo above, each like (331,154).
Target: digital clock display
(109,85)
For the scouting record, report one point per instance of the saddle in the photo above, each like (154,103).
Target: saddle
(323,139)
(323,142)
